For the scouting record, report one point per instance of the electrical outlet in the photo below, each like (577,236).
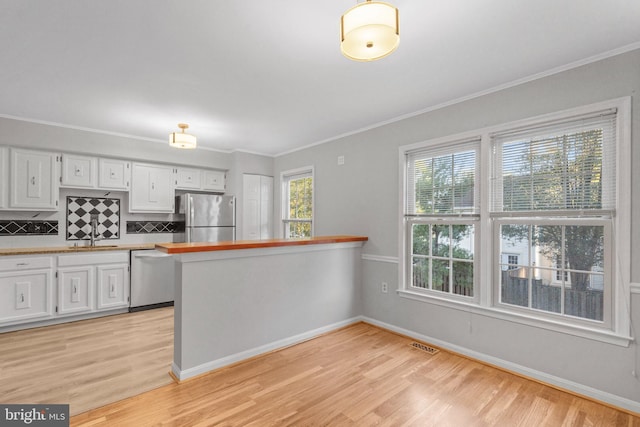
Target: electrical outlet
(340,160)
(385,288)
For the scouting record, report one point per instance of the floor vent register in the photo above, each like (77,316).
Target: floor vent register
(424,347)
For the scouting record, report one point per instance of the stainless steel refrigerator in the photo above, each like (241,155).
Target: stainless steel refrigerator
(208,217)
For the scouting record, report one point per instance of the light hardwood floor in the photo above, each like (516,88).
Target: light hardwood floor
(89,363)
(359,375)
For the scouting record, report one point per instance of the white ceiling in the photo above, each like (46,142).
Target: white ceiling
(267,76)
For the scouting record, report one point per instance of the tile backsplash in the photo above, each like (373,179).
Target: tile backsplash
(80,210)
(145,227)
(12,227)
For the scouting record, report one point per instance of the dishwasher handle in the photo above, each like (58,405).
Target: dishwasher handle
(152,255)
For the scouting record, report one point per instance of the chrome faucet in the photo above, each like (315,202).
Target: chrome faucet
(93,232)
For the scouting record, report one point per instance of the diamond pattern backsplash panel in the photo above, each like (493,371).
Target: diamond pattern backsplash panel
(79,211)
(28,227)
(144,227)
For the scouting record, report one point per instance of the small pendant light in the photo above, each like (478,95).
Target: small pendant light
(181,139)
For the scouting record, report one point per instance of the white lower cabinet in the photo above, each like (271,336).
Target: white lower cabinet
(113,286)
(76,290)
(90,282)
(25,289)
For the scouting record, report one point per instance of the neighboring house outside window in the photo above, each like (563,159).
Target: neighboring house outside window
(524,218)
(297,203)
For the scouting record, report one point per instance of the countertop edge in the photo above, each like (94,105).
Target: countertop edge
(183,248)
(57,250)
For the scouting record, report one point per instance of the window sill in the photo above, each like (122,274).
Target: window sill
(605,336)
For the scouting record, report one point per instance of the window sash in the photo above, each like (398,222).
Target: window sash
(443,180)
(451,289)
(608,274)
(565,165)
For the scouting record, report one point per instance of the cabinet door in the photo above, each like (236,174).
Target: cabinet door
(250,207)
(4,178)
(25,296)
(257,207)
(188,179)
(152,189)
(266,207)
(114,174)
(78,171)
(213,181)
(75,290)
(34,183)
(113,286)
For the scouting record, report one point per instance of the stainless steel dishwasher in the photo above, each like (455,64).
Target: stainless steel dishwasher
(152,279)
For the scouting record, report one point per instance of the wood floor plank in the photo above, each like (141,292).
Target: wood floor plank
(89,363)
(360,375)
(356,376)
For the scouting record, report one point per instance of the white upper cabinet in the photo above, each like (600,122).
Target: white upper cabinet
(98,173)
(188,179)
(152,188)
(4,178)
(114,174)
(78,171)
(33,180)
(213,181)
(200,179)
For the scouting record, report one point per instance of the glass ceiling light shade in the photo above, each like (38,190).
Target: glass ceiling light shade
(181,139)
(369,31)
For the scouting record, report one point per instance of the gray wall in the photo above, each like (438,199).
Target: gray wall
(259,298)
(24,134)
(242,163)
(362,197)
(18,133)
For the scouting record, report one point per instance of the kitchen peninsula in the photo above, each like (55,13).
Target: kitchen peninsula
(235,300)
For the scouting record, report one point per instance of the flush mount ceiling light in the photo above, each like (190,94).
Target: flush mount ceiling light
(181,139)
(369,31)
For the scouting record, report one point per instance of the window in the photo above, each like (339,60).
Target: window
(440,213)
(524,220)
(297,203)
(541,173)
(509,261)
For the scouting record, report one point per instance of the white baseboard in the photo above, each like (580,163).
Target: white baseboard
(238,357)
(562,383)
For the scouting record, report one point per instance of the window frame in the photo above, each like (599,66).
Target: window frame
(487,257)
(460,218)
(285,178)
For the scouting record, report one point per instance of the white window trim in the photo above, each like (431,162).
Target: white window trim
(619,334)
(284,175)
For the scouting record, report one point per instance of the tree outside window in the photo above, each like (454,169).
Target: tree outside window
(298,205)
